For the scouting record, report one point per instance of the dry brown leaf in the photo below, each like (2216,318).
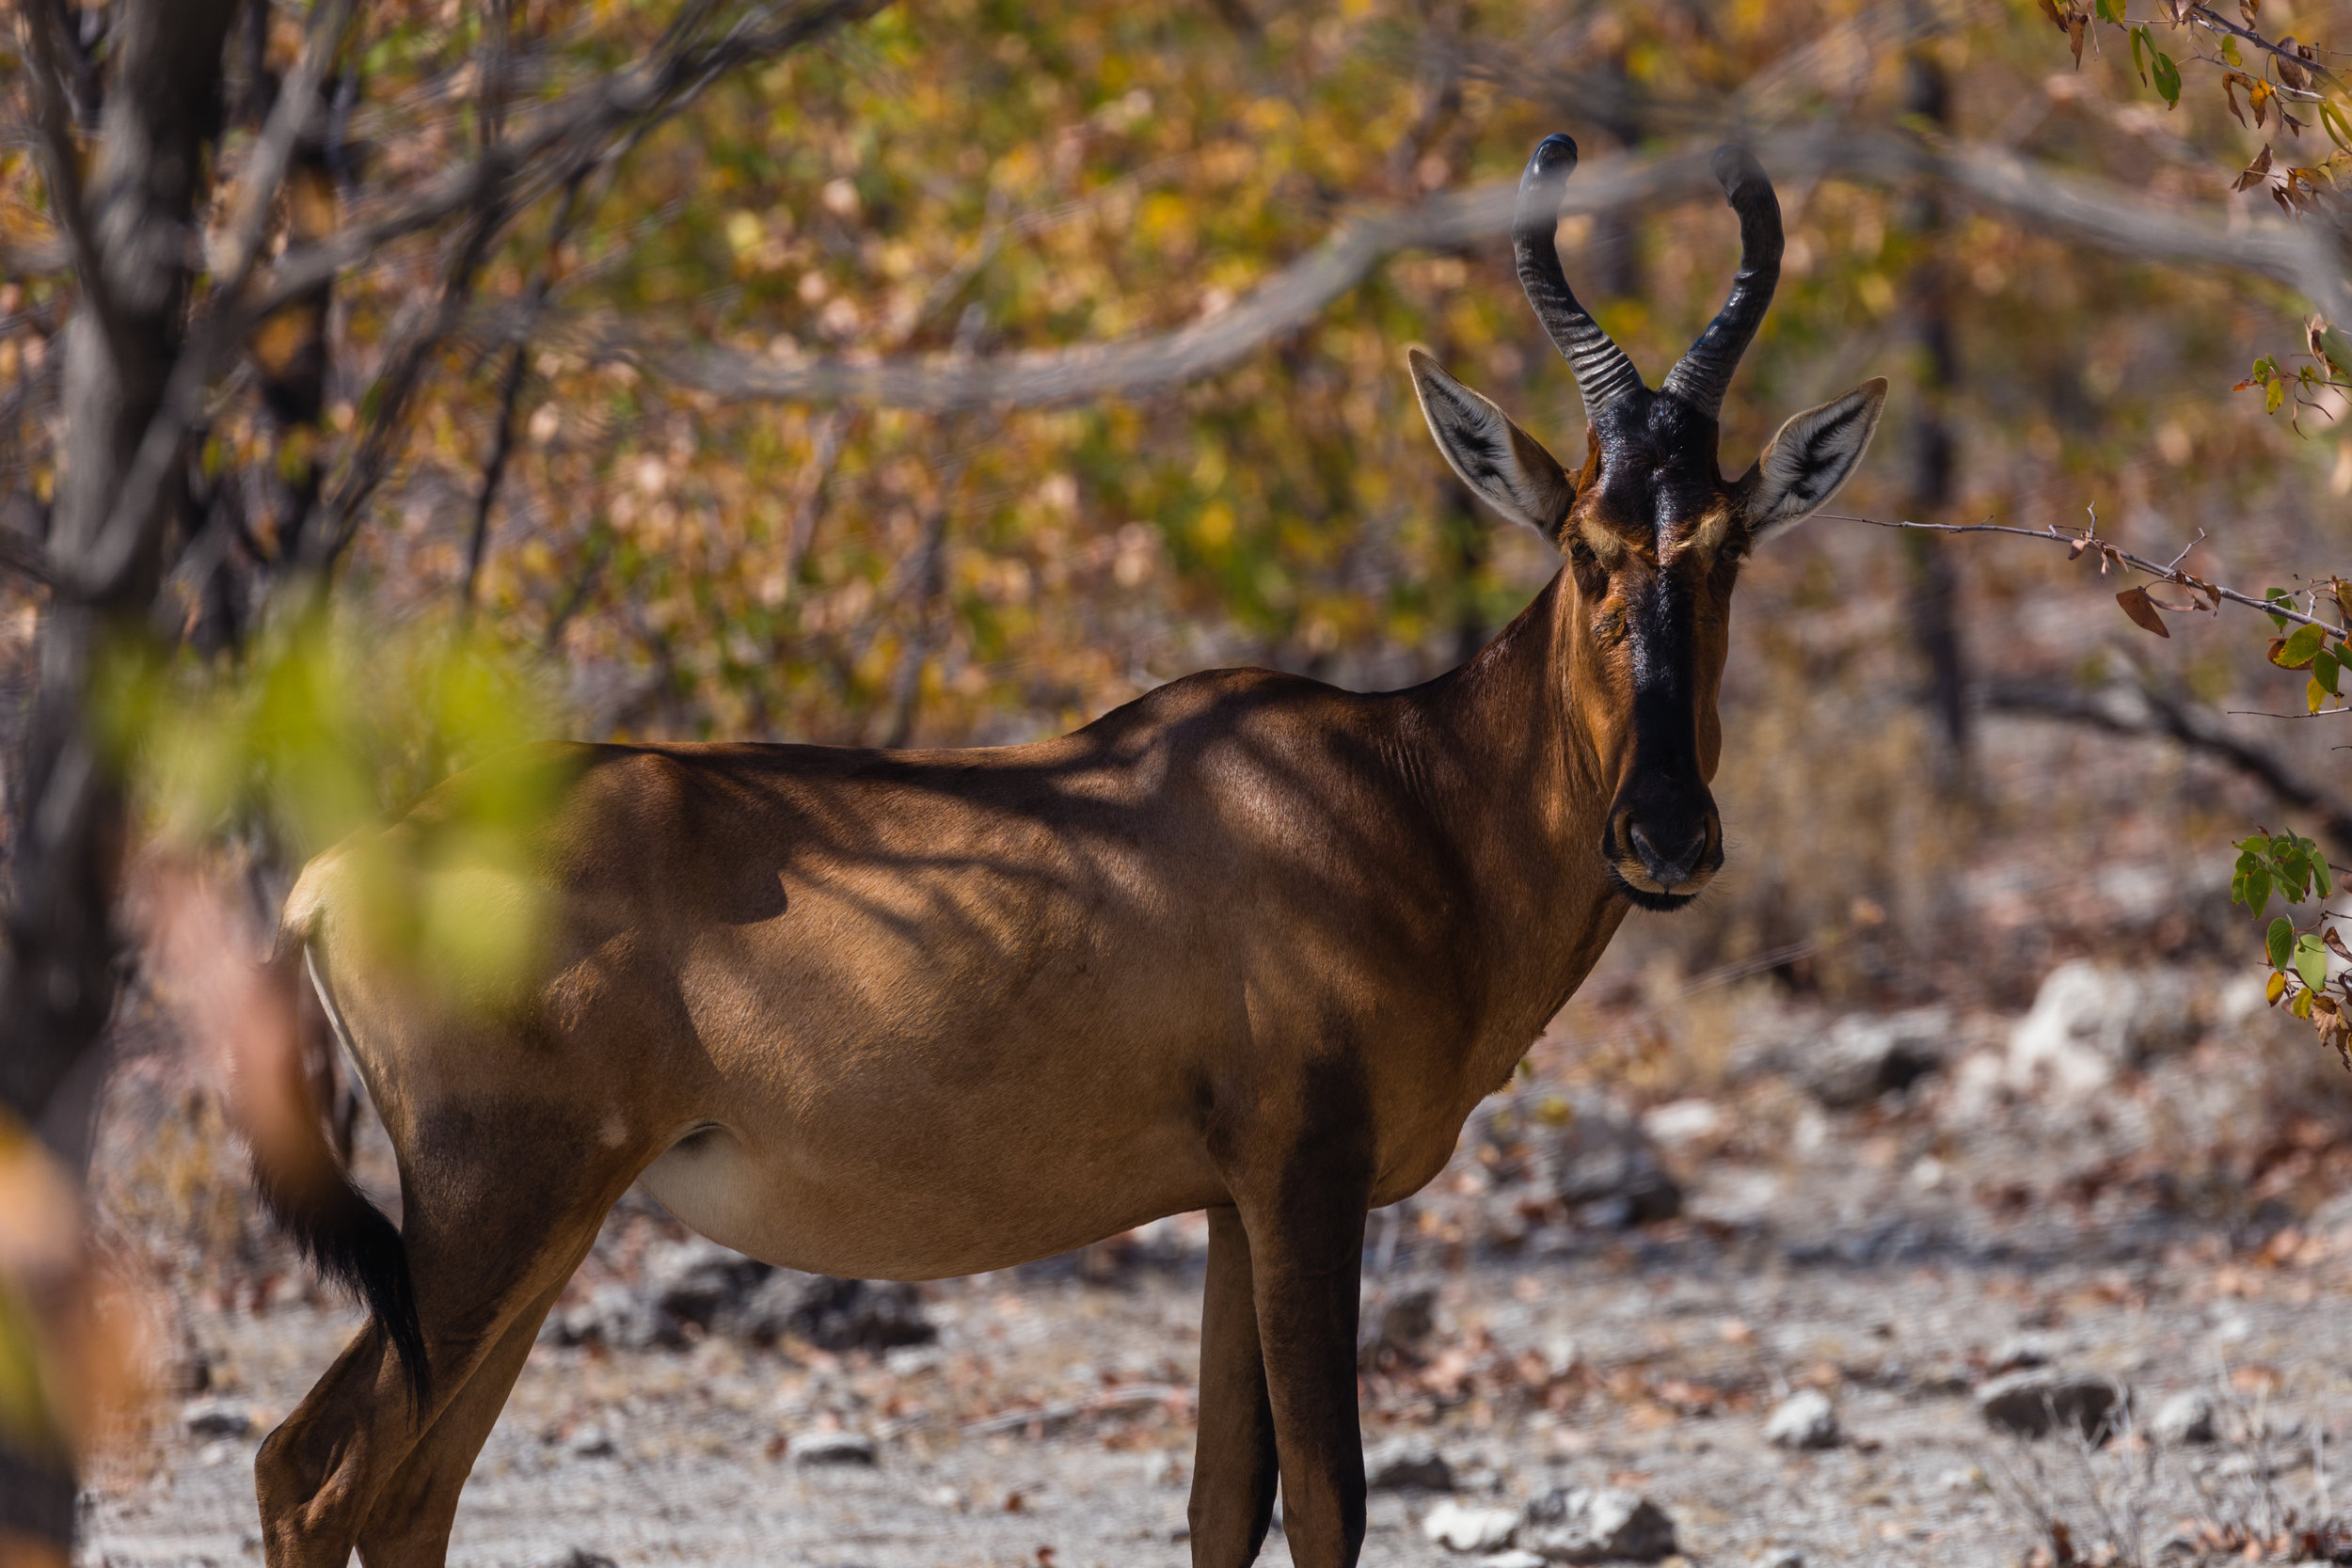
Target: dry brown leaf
(2143,614)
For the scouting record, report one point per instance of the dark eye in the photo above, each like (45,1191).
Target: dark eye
(1581,554)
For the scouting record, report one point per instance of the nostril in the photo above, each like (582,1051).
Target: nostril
(1672,868)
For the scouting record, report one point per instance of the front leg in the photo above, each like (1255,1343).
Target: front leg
(1233,1462)
(1305,1219)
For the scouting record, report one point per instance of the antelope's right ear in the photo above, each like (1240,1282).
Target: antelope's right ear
(1508,468)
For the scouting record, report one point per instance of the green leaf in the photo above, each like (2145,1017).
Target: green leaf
(2280,941)
(2229,45)
(2310,961)
(2273,396)
(2331,119)
(2326,666)
(2276,619)
(2303,645)
(2168,79)
(2138,37)
(2319,875)
(2257,890)
(2314,696)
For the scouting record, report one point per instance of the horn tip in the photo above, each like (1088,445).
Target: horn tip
(1555,156)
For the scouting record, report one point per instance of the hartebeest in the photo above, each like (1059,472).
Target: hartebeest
(1248,944)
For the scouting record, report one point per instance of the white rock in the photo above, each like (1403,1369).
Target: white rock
(1512,1558)
(1781,1557)
(2186,1418)
(1469,1529)
(1806,1419)
(912,1360)
(830,1448)
(590,1442)
(2089,1023)
(1579,1524)
(1681,1121)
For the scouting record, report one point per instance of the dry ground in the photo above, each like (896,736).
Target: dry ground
(2172,1226)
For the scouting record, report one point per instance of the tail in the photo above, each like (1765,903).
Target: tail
(305,1185)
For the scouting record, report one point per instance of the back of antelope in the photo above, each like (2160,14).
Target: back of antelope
(1248,944)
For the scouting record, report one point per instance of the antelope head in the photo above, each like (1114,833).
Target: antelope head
(1653,531)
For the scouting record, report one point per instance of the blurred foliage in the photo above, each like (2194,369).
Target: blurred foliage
(315,736)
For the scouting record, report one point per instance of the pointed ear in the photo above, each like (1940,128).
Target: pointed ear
(1508,468)
(1812,455)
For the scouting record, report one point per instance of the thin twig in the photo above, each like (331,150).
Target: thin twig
(510,395)
(2088,542)
(2222,24)
(568,135)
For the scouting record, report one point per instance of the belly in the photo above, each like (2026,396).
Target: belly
(912,1205)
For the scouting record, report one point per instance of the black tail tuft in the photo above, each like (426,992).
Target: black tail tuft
(349,1240)
(346,1238)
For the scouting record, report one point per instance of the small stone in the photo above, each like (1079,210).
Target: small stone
(1865,1057)
(216,1418)
(832,1448)
(1781,1557)
(2021,1350)
(1578,1524)
(2032,1404)
(579,1557)
(1406,1323)
(1806,1419)
(2184,1419)
(1469,1529)
(1406,1464)
(590,1442)
(1512,1558)
(1608,1169)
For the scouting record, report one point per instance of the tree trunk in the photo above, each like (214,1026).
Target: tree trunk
(59,962)
(1934,618)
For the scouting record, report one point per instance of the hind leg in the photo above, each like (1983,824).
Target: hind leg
(501,1207)
(414,1510)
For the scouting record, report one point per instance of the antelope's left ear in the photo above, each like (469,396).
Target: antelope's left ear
(1812,455)
(1508,468)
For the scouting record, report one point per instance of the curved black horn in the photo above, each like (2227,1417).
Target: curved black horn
(1603,373)
(1701,377)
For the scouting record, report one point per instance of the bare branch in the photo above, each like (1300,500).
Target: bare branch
(136,516)
(2089,543)
(2094,211)
(510,395)
(576,132)
(2142,706)
(2220,23)
(42,27)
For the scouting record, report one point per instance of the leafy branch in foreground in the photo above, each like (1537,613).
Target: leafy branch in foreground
(2284,863)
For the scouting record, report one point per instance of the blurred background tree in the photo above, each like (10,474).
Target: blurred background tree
(381,382)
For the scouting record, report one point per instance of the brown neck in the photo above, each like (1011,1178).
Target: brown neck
(1517,781)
